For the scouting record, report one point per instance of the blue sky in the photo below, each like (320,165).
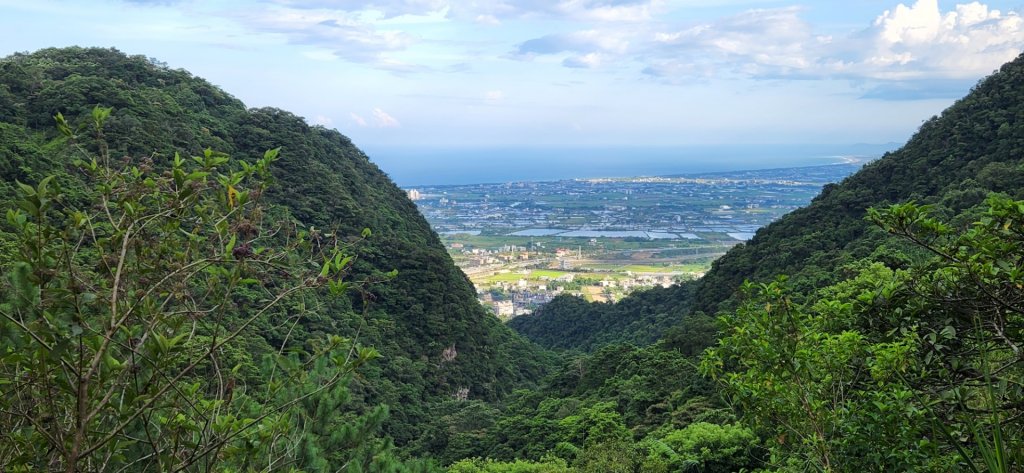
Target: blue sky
(577,73)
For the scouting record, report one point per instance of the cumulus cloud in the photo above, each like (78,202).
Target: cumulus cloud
(907,43)
(575,10)
(610,11)
(382,119)
(583,49)
(580,41)
(919,40)
(752,42)
(366,31)
(345,35)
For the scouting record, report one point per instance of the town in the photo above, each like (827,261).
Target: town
(523,243)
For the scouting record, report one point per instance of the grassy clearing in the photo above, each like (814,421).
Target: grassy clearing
(657,268)
(540,273)
(504,277)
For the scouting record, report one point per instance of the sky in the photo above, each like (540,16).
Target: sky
(561,73)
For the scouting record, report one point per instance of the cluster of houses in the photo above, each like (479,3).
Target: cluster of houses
(522,296)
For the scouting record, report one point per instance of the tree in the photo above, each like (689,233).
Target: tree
(128,317)
(706,447)
(908,369)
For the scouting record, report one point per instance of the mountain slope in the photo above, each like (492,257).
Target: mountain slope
(954,160)
(894,345)
(322,179)
(975,146)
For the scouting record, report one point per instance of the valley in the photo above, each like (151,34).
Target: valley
(193,284)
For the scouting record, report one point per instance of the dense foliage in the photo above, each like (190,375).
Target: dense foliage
(435,340)
(907,369)
(135,314)
(621,408)
(569,322)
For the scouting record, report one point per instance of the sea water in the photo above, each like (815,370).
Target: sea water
(431,166)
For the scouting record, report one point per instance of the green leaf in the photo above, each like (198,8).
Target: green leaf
(231,245)
(62,125)
(25,188)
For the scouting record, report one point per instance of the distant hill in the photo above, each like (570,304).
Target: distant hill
(323,180)
(974,147)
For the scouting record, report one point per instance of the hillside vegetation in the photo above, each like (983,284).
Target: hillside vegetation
(880,329)
(974,147)
(435,341)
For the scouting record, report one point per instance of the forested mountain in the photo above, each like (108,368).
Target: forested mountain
(436,341)
(881,332)
(974,147)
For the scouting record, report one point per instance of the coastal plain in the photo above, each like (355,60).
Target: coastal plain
(523,243)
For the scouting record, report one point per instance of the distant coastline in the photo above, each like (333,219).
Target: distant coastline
(410,167)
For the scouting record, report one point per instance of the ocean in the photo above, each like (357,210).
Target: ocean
(410,167)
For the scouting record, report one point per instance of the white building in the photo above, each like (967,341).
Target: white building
(504,309)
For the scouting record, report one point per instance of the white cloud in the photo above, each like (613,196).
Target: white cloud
(382,119)
(585,61)
(494,96)
(906,43)
(629,12)
(378,119)
(358,119)
(921,40)
(322,120)
(343,34)
(389,8)
(582,43)
(612,11)
(755,42)
(493,11)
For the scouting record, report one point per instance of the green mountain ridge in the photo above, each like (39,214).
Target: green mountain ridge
(974,147)
(324,181)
